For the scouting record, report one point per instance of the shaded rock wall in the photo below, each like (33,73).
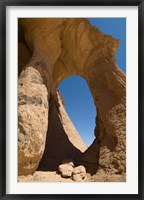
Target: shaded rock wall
(63,47)
(62,141)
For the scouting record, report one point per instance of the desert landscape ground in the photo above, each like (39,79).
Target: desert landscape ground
(49,147)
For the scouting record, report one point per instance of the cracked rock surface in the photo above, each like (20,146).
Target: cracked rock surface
(51,50)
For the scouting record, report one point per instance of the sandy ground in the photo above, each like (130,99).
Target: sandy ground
(53,176)
(41,176)
(48,176)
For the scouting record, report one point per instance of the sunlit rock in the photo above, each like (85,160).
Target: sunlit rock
(55,49)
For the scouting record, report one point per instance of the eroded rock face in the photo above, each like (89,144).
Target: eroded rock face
(60,48)
(32,120)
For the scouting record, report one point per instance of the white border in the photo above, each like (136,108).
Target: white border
(131,186)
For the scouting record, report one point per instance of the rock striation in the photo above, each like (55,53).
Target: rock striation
(49,51)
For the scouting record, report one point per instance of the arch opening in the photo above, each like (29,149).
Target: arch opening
(71,124)
(79,106)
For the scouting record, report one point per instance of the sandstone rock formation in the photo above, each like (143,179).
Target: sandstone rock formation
(49,51)
(32,120)
(79,174)
(66,170)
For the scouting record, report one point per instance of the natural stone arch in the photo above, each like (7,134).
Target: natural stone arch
(64,47)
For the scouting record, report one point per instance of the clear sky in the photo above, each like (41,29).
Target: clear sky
(74,89)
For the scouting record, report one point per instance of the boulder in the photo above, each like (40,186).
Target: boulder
(32,120)
(66,170)
(79,174)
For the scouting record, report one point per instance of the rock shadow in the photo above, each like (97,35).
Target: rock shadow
(58,146)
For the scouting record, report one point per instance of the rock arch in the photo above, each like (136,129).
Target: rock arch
(49,51)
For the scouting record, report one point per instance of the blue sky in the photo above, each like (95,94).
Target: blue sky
(74,89)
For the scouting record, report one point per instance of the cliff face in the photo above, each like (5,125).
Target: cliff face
(49,51)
